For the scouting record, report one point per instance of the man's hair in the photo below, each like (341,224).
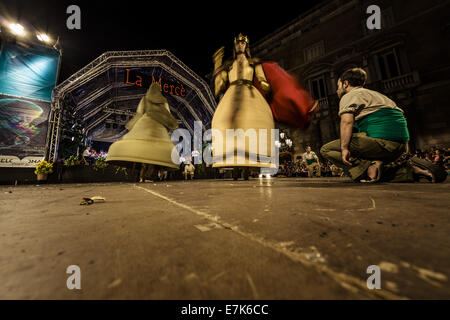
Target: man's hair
(356,77)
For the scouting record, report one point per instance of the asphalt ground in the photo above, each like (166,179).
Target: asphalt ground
(292,238)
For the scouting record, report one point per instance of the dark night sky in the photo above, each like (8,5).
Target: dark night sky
(192,32)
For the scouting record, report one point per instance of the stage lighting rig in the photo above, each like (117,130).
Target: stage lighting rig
(17,29)
(43,37)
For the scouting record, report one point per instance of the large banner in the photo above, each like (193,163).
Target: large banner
(27,78)
(23,131)
(29,71)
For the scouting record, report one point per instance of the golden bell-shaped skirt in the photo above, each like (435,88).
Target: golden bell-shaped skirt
(242,109)
(147,142)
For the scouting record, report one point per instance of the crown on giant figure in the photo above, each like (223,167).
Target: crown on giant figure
(241,37)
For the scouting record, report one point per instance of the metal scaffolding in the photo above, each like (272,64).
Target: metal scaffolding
(98,102)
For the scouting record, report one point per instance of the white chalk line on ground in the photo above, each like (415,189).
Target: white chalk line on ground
(364,209)
(346,281)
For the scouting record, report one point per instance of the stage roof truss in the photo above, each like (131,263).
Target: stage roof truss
(91,70)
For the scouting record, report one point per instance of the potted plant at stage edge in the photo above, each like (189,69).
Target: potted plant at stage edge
(73,169)
(100,165)
(43,169)
(72,161)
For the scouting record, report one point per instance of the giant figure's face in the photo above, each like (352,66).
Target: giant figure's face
(240,47)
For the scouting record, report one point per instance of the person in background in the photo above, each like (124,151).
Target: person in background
(94,155)
(162,174)
(189,169)
(86,155)
(438,159)
(312,162)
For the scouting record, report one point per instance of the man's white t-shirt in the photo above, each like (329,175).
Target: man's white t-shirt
(86,153)
(308,157)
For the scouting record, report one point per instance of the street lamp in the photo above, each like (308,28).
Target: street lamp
(289,142)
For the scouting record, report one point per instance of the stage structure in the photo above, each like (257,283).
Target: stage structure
(103,96)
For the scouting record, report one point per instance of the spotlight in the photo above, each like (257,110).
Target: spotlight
(17,29)
(43,37)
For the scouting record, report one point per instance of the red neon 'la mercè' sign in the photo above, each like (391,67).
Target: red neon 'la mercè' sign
(135,79)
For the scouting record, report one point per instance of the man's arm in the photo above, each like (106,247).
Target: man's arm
(347,120)
(317,158)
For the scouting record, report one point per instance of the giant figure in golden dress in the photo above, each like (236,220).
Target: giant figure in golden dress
(241,108)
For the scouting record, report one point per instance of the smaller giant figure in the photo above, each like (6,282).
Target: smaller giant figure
(148,142)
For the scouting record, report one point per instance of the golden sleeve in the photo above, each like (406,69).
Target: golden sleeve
(261,77)
(220,82)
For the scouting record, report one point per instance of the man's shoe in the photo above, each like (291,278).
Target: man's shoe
(379,166)
(438,173)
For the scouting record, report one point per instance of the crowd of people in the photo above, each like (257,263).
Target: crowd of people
(299,168)
(90,155)
(437,155)
(302,167)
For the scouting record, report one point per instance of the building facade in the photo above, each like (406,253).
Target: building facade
(407,59)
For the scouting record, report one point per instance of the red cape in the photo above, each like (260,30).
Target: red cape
(289,102)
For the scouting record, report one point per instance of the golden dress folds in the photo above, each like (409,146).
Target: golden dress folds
(242,107)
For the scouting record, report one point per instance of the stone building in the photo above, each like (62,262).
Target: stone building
(407,59)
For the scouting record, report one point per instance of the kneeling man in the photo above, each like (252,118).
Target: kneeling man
(382,135)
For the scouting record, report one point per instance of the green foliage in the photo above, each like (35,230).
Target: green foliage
(100,164)
(201,168)
(121,169)
(72,161)
(44,167)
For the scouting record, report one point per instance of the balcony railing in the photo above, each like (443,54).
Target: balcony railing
(323,104)
(324,107)
(402,82)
